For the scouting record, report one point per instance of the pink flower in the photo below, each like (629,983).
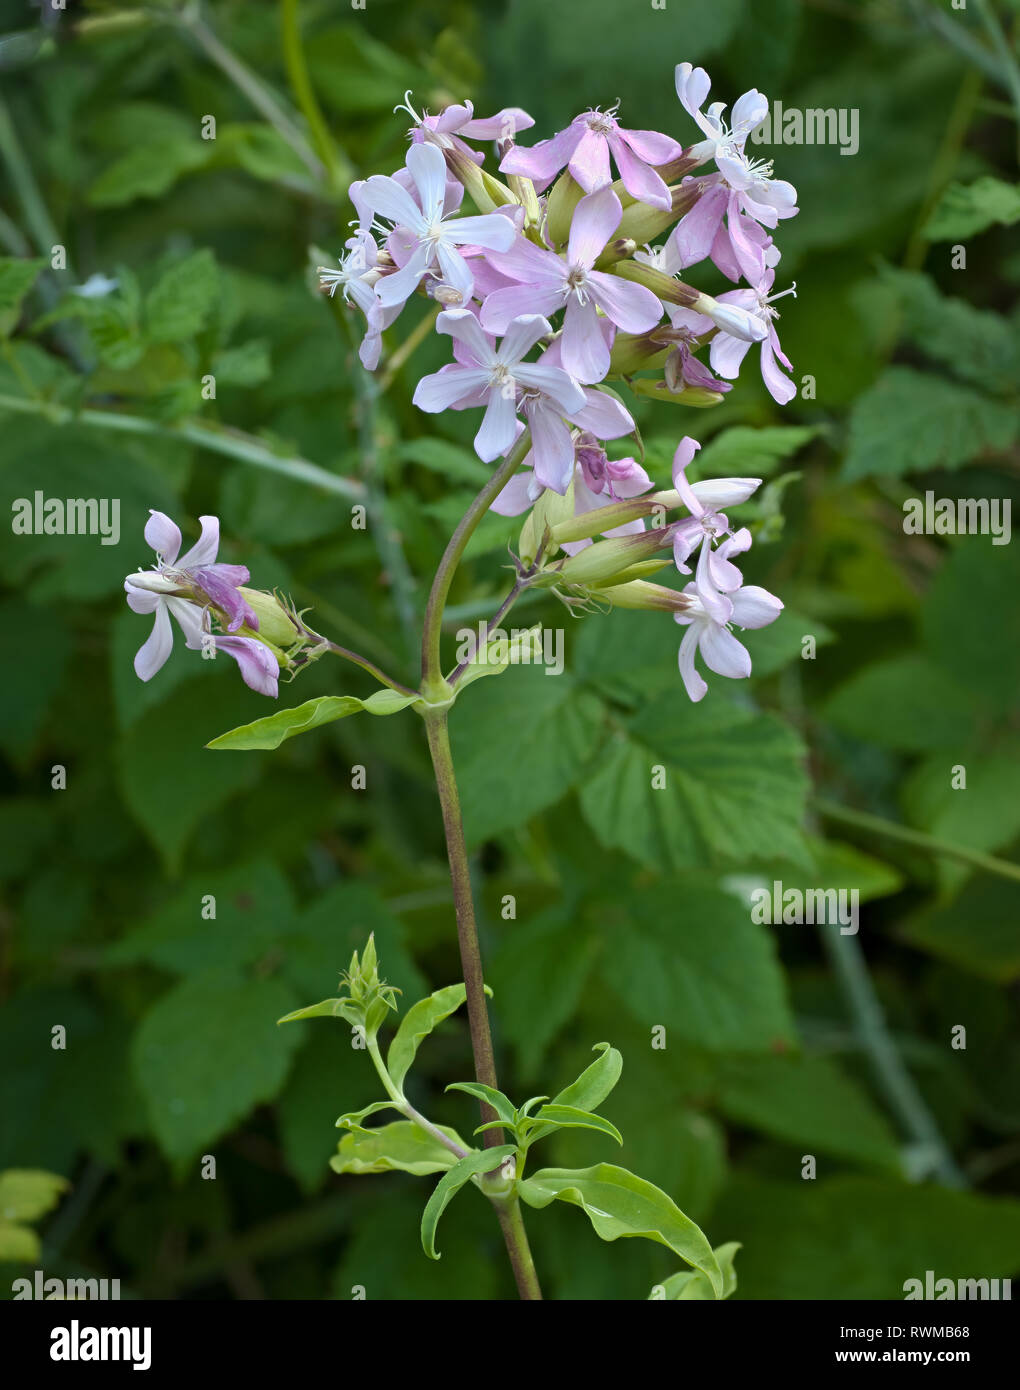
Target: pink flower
(428,234)
(585,147)
(185,588)
(747,607)
(490,376)
(356,277)
(546,282)
(458,122)
(727,351)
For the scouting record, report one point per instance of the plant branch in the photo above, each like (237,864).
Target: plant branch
(898,1085)
(231,443)
(431,657)
(363,662)
(253,88)
(989,863)
(304,94)
(406,1108)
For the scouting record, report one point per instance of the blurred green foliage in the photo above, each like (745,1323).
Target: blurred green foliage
(629,913)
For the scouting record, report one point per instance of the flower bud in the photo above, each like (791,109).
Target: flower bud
(548,511)
(605,559)
(487,193)
(644,569)
(644,224)
(739,323)
(638,594)
(277,625)
(699,396)
(662,286)
(559,208)
(632,352)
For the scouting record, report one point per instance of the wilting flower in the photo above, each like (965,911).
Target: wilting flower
(428,235)
(186,587)
(585,147)
(491,377)
(750,606)
(547,282)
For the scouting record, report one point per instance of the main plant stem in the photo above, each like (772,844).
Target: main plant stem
(436,691)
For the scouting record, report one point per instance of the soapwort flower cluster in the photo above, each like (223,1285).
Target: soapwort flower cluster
(558,283)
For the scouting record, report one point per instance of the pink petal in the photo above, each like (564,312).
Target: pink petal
(589,164)
(385,196)
(259,667)
(631,307)
(553,382)
(163,536)
(755,607)
(203,552)
(596,218)
(693,235)
(448,388)
(503,306)
(152,654)
(522,333)
(603,415)
(492,230)
(651,147)
(428,169)
(498,429)
(695,685)
(498,127)
(723,653)
(552,447)
(543,161)
(515,497)
(582,346)
(639,179)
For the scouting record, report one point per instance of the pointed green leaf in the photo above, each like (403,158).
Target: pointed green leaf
(591,1087)
(417,1024)
(327,1008)
(400,1145)
(352,1119)
(286,723)
(479,1161)
(619,1203)
(570,1117)
(503,1106)
(691,1284)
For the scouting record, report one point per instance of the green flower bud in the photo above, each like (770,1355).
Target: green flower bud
(548,511)
(487,193)
(604,560)
(662,286)
(277,625)
(559,209)
(638,594)
(699,396)
(632,352)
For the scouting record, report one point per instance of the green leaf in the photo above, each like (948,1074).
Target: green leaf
(286,723)
(698,965)
(401,1146)
(416,1025)
(180,303)
(978,931)
(966,209)
(735,785)
(207,1052)
(17,277)
(28,1193)
(451,1183)
(451,461)
(518,745)
(910,421)
(618,1203)
(326,1008)
(147,171)
(975,344)
(693,1285)
(168,780)
(503,1106)
(745,452)
(906,702)
(352,1119)
(570,1117)
(19,1244)
(248,364)
(539,972)
(498,655)
(856,1237)
(589,1090)
(811,1102)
